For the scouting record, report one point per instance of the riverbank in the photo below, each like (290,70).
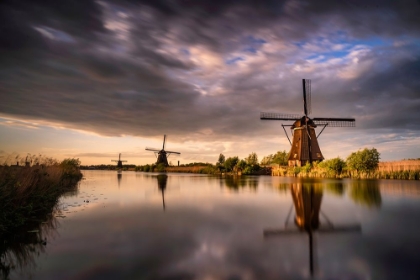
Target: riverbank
(385,170)
(27,194)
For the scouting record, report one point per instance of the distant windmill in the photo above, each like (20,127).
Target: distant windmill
(119,164)
(307,202)
(305,146)
(162,155)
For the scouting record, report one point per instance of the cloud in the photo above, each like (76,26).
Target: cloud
(204,71)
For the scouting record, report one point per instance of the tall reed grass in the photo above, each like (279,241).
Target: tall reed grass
(26,192)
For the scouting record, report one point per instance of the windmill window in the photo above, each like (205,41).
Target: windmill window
(295,156)
(318,154)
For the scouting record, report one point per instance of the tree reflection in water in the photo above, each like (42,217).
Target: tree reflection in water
(20,250)
(366,192)
(307,200)
(240,182)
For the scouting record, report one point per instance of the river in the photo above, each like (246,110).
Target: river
(138,225)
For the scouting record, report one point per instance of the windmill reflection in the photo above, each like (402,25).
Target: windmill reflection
(162,180)
(307,204)
(119,177)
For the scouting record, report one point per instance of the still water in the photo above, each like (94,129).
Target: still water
(182,226)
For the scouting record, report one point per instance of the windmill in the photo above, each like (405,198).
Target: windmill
(305,146)
(162,155)
(119,164)
(307,201)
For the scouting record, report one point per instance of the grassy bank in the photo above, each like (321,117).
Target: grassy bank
(316,171)
(27,194)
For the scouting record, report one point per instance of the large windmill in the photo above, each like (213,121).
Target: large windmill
(119,161)
(305,146)
(162,155)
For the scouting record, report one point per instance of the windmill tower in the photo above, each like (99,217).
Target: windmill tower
(305,147)
(119,164)
(162,155)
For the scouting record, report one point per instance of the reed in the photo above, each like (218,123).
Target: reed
(320,172)
(27,193)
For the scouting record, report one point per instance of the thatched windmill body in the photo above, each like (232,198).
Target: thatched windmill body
(162,155)
(119,161)
(305,147)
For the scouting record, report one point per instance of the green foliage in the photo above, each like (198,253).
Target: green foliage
(230,163)
(221,162)
(160,167)
(252,159)
(281,158)
(221,159)
(333,166)
(252,169)
(241,164)
(306,168)
(364,161)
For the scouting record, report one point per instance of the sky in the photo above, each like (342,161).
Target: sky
(92,79)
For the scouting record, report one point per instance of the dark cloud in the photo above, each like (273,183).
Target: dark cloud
(207,69)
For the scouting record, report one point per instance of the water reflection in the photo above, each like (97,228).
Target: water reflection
(366,192)
(337,188)
(239,182)
(22,250)
(162,180)
(307,199)
(119,176)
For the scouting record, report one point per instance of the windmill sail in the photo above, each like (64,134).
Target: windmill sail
(162,155)
(305,147)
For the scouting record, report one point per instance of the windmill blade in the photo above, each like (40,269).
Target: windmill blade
(335,122)
(169,152)
(152,149)
(306,85)
(164,140)
(276,116)
(114,160)
(341,229)
(286,231)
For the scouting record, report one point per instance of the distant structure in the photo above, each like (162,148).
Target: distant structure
(305,146)
(162,155)
(119,161)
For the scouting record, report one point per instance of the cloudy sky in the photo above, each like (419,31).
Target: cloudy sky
(91,79)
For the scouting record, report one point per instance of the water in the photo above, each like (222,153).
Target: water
(182,226)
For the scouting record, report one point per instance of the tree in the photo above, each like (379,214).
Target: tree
(221,162)
(364,161)
(252,159)
(281,158)
(241,164)
(230,163)
(267,160)
(335,165)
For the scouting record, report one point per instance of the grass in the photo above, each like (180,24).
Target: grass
(400,172)
(28,197)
